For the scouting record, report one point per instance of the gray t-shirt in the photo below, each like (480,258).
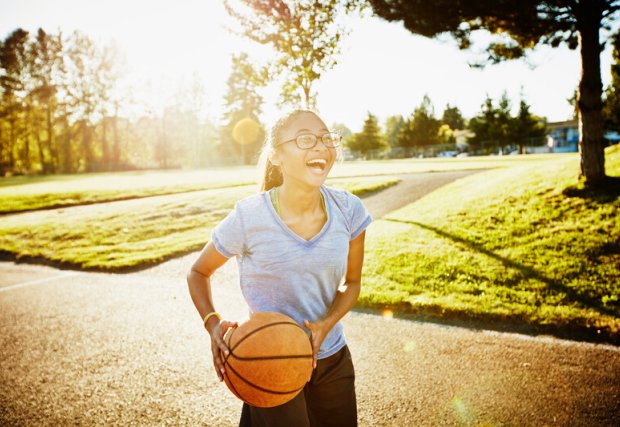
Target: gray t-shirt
(282,272)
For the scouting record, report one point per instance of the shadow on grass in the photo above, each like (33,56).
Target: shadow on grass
(607,192)
(572,329)
(528,272)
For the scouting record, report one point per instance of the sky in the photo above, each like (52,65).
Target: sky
(383,69)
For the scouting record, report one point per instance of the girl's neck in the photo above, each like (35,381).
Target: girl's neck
(300,200)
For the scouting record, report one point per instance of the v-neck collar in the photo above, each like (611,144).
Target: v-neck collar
(290,232)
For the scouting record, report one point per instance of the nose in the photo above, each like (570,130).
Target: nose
(320,145)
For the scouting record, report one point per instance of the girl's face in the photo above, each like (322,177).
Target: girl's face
(307,167)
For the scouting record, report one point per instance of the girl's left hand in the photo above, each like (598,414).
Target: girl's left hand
(318,330)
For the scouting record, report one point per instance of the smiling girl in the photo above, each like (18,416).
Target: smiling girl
(299,246)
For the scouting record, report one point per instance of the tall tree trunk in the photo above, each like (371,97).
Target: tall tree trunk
(87,137)
(105,152)
(12,142)
(306,89)
(37,137)
(116,152)
(25,154)
(592,155)
(67,155)
(53,165)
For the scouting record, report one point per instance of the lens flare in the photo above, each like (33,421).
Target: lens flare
(461,411)
(387,314)
(409,347)
(246,131)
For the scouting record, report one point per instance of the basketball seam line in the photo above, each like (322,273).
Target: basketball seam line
(262,388)
(238,358)
(231,350)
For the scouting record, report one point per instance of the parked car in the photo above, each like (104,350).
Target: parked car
(447,153)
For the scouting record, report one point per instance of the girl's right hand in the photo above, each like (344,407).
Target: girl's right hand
(218,346)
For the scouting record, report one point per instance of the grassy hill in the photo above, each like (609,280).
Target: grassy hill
(520,248)
(132,234)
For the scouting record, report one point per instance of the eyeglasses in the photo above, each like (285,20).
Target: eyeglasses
(306,141)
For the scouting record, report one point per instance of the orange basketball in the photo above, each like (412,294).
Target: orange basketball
(270,359)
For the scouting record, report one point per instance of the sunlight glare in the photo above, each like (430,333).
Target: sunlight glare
(387,314)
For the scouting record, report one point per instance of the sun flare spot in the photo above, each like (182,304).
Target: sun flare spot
(387,314)
(409,346)
(461,411)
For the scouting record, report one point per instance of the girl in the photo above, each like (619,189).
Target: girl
(299,246)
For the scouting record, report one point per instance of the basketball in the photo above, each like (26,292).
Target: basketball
(270,359)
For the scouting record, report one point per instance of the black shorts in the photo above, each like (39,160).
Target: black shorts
(328,399)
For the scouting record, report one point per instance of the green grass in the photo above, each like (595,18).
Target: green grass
(24,193)
(134,233)
(520,247)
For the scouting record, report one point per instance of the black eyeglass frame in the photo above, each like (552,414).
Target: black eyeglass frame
(316,140)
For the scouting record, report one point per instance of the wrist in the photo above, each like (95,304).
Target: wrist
(210,321)
(327,323)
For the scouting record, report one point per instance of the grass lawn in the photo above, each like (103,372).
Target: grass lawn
(23,193)
(521,248)
(132,233)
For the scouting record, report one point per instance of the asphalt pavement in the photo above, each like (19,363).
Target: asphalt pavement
(83,348)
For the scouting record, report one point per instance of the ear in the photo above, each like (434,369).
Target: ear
(274,158)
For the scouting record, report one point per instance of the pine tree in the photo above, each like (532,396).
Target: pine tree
(370,138)
(422,128)
(517,27)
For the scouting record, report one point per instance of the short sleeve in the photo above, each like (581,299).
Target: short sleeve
(228,236)
(359,218)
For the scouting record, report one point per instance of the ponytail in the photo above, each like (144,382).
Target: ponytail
(272,178)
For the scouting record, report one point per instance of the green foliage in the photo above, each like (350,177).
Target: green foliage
(493,123)
(242,101)
(305,35)
(517,247)
(526,126)
(393,126)
(243,87)
(422,128)
(494,126)
(446,135)
(370,138)
(611,106)
(519,27)
(516,28)
(60,111)
(453,118)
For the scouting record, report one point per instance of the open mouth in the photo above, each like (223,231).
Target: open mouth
(318,165)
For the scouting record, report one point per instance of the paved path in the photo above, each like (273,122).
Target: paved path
(110,349)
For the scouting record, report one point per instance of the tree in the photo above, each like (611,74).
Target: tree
(242,105)
(453,118)
(84,96)
(422,128)
(15,61)
(526,126)
(111,67)
(370,138)
(611,106)
(492,125)
(47,74)
(519,27)
(305,35)
(393,126)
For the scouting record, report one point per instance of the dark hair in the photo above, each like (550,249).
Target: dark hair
(272,175)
